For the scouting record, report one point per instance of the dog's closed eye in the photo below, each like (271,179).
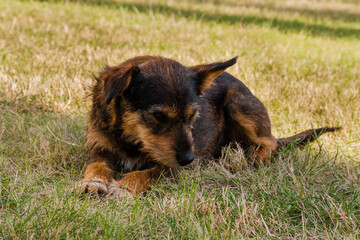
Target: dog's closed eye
(160,117)
(192,117)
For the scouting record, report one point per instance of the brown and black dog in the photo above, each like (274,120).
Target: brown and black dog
(151,115)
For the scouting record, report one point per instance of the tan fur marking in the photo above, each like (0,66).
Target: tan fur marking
(268,144)
(190,110)
(113,113)
(160,147)
(98,171)
(95,138)
(139,181)
(210,77)
(208,74)
(170,112)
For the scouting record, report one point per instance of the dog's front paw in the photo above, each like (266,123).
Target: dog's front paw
(117,192)
(95,187)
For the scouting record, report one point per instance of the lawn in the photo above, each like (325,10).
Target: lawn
(301,59)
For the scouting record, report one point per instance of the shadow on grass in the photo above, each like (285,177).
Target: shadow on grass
(330,14)
(283,25)
(340,15)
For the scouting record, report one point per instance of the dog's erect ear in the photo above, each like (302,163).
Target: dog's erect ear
(116,80)
(206,73)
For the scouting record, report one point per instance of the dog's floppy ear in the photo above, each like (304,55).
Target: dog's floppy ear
(116,80)
(206,73)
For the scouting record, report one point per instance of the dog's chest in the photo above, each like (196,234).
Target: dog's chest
(130,158)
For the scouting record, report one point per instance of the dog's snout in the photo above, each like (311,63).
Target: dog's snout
(185,158)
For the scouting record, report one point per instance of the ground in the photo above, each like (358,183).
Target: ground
(302,59)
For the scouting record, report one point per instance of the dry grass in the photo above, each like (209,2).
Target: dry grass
(300,58)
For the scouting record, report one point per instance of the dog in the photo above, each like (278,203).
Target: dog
(152,115)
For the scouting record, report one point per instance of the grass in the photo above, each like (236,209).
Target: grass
(301,59)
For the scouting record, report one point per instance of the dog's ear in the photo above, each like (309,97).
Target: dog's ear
(206,73)
(116,80)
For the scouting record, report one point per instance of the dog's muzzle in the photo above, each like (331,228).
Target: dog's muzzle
(185,158)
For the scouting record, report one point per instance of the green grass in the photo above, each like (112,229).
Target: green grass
(301,59)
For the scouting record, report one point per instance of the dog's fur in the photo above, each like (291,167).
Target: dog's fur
(151,115)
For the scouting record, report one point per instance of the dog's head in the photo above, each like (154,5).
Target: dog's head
(154,101)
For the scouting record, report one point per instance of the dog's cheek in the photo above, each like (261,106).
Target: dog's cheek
(159,147)
(132,126)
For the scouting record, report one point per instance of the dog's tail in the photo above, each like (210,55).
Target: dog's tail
(305,137)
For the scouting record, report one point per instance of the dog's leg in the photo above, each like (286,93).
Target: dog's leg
(262,146)
(98,177)
(247,121)
(136,182)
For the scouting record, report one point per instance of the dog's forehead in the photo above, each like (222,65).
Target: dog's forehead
(174,111)
(167,70)
(164,81)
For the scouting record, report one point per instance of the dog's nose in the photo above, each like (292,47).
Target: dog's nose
(185,158)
